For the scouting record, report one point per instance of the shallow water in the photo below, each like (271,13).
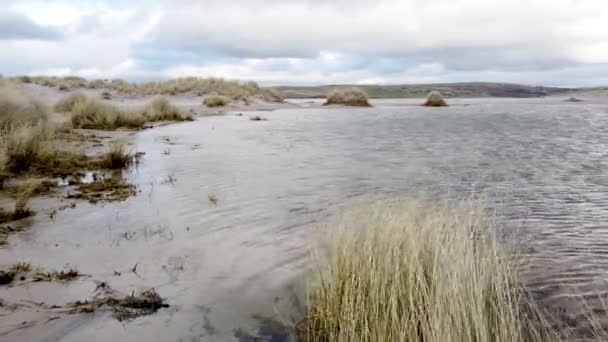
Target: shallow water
(232,270)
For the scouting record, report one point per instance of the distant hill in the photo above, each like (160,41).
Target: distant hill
(469,89)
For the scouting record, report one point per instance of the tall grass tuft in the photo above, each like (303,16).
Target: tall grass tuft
(68,103)
(348,97)
(160,109)
(117,157)
(26,144)
(435,99)
(417,271)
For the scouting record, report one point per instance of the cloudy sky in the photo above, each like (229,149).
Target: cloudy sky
(548,42)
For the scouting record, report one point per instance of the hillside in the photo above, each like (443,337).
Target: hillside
(470,89)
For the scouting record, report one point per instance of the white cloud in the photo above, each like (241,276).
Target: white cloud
(314,41)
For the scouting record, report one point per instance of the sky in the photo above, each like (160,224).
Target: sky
(308,42)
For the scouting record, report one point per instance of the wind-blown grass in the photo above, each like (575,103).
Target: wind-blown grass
(68,103)
(417,271)
(348,97)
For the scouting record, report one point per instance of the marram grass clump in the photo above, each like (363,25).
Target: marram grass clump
(435,99)
(117,157)
(348,97)
(96,114)
(408,270)
(215,101)
(160,109)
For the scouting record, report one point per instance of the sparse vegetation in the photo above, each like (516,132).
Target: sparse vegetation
(125,308)
(435,99)
(106,189)
(257,118)
(63,276)
(418,271)
(22,270)
(234,90)
(9,275)
(348,97)
(215,101)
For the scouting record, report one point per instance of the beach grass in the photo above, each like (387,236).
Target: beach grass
(414,270)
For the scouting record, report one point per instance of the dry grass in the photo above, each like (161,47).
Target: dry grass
(160,109)
(215,101)
(96,114)
(418,271)
(435,99)
(68,103)
(348,97)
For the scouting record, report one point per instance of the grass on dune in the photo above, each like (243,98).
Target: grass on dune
(412,270)
(234,90)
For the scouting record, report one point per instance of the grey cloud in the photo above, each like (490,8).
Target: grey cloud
(15,26)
